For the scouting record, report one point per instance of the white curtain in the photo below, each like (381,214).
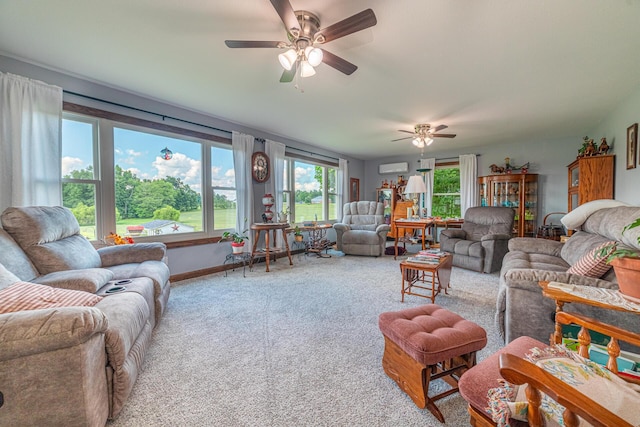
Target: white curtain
(342,186)
(468,182)
(275,151)
(30,139)
(242,150)
(428,181)
(275,185)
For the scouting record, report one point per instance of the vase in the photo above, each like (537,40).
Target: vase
(628,274)
(237,248)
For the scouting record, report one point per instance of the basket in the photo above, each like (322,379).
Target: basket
(551,231)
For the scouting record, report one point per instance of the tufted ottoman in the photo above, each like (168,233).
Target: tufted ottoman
(426,343)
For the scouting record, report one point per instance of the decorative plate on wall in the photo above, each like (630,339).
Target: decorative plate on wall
(260,167)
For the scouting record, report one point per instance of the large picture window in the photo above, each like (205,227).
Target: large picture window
(145,182)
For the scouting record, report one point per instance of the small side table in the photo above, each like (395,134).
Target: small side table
(242,257)
(411,224)
(416,275)
(269,227)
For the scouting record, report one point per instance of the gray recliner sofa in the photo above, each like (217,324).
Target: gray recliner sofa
(522,310)
(363,230)
(482,241)
(77,365)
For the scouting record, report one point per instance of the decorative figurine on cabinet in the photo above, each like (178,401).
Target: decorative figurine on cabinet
(604,147)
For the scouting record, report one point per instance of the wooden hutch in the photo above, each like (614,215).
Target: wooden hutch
(394,204)
(518,191)
(590,178)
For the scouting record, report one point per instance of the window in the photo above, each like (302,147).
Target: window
(223,183)
(446,191)
(140,179)
(315,191)
(80,183)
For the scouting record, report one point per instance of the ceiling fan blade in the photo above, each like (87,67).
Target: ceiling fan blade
(288,75)
(249,43)
(353,24)
(286,13)
(338,63)
(439,128)
(443,135)
(406,131)
(400,139)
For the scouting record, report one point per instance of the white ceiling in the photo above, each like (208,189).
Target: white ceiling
(494,71)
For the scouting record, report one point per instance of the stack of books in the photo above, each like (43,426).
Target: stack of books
(427,256)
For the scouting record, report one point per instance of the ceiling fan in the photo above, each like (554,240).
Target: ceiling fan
(304,36)
(423,134)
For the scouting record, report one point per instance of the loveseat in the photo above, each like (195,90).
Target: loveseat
(522,310)
(76,364)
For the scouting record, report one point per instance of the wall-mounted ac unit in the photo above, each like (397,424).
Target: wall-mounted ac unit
(393,168)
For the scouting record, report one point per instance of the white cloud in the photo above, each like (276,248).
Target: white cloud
(179,166)
(133,153)
(70,164)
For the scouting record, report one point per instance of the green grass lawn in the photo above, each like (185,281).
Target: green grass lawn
(224,219)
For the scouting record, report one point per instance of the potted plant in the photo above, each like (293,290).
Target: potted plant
(626,264)
(283,215)
(237,240)
(297,234)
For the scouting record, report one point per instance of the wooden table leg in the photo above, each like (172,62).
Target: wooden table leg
(403,272)
(395,243)
(286,245)
(266,248)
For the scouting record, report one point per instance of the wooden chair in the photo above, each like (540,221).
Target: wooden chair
(516,370)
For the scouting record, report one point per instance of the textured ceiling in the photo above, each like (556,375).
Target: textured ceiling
(493,71)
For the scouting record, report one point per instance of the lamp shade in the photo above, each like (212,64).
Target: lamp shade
(314,55)
(306,70)
(288,58)
(415,185)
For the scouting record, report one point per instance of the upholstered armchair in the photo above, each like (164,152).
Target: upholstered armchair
(482,241)
(362,230)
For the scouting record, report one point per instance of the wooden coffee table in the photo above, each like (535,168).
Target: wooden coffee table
(430,277)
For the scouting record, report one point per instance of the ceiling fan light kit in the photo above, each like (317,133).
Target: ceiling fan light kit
(423,134)
(304,33)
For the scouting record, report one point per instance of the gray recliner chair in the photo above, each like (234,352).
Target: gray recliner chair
(482,241)
(363,230)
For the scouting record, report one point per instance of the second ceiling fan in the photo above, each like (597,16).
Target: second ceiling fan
(424,134)
(304,38)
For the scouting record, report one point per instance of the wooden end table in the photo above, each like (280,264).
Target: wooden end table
(269,227)
(417,274)
(412,224)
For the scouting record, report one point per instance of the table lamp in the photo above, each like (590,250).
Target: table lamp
(415,186)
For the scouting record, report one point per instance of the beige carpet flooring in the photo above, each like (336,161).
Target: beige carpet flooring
(298,346)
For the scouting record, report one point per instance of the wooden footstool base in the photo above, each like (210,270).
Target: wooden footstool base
(427,343)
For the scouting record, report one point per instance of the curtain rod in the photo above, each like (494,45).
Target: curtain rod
(449,158)
(312,153)
(162,116)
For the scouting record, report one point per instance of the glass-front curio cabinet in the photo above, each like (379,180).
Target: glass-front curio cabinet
(518,191)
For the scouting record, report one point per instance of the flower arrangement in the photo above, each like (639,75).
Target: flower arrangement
(116,239)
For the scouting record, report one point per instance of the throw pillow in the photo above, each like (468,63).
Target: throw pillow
(31,296)
(594,263)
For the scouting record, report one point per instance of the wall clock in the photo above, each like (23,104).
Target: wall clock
(260,168)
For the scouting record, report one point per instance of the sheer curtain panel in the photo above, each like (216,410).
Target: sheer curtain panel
(468,182)
(242,150)
(30,135)
(275,151)
(342,186)
(428,181)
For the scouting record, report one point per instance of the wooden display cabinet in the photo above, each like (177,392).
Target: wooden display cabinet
(516,191)
(390,197)
(590,178)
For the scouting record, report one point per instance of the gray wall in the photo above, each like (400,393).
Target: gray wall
(549,159)
(185,259)
(614,128)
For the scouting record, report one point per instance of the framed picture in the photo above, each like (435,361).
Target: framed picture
(632,145)
(355,190)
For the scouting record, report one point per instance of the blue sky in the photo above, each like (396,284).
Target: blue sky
(140,153)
